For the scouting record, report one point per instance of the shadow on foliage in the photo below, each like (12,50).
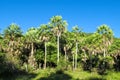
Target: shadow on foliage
(117,62)
(95,78)
(9,71)
(15,75)
(58,75)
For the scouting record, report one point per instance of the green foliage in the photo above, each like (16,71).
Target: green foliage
(64,65)
(39,55)
(12,31)
(51,45)
(2,61)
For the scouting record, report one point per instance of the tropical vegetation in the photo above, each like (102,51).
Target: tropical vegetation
(53,49)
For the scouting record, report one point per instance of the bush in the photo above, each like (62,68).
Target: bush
(117,62)
(105,63)
(63,65)
(90,63)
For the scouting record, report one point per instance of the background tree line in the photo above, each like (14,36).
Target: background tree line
(53,46)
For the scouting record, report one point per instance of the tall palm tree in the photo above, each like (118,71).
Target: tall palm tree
(68,45)
(76,32)
(58,27)
(43,35)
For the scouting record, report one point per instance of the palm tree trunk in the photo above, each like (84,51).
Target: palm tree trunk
(65,56)
(31,57)
(76,55)
(45,56)
(32,49)
(104,60)
(104,53)
(57,49)
(73,61)
(91,59)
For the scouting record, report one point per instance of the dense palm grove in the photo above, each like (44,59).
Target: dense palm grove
(53,46)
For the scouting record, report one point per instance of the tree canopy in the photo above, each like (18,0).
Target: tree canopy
(52,45)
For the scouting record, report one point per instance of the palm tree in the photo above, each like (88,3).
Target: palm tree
(31,39)
(11,37)
(68,45)
(58,27)
(114,51)
(106,35)
(12,31)
(76,32)
(92,46)
(106,38)
(43,35)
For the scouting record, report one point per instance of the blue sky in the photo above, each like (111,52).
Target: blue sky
(88,14)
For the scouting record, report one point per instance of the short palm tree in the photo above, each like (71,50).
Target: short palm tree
(31,39)
(106,36)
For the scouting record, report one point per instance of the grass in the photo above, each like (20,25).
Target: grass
(113,76)
(52,74)
(83,75)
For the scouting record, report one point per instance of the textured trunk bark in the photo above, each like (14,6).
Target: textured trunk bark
(31,59)
(65,55)
(91,59)
(45,56)
(104,53)
(73,61)
(76,55)
(32,49)
(57,49)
